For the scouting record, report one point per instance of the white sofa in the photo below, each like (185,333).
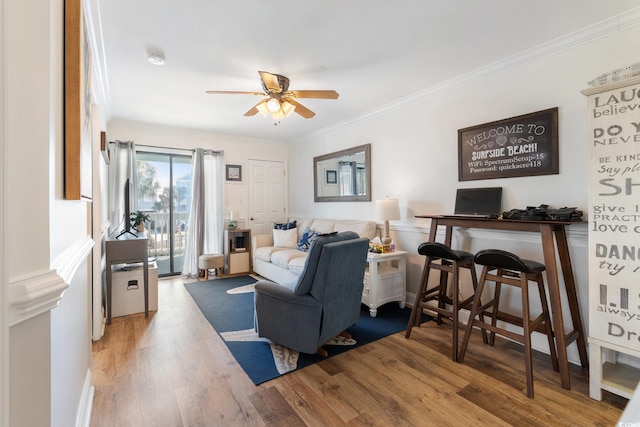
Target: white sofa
(283,265)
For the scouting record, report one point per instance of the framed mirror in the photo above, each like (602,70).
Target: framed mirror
(343,176)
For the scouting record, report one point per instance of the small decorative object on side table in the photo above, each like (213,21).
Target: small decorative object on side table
(233,224)
(384,280)
(138,218)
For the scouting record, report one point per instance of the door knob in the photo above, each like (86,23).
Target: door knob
(251,219)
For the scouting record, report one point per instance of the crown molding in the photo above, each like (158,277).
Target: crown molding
(586,35)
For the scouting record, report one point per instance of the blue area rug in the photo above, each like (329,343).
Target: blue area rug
(228,306)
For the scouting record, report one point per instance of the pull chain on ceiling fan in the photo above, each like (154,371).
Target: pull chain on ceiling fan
(279,101)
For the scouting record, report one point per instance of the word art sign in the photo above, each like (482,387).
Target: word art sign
(525,145)
(614,213)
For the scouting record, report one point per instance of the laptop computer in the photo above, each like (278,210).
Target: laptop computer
(478,202)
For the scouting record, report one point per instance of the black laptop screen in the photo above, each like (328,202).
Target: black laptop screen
(479,201)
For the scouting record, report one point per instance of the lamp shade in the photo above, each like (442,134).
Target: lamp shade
(387,209)
(262,107)
(277,115)
(287,108)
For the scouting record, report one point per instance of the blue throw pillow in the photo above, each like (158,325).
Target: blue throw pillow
(308,237)
(284,226)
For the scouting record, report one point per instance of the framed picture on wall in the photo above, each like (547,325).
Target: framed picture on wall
(332,177)
(234,173)
(77,104)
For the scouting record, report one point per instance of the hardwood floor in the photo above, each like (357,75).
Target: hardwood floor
(172,369)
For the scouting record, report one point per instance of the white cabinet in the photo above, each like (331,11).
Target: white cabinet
(128,289)
(607,373)
(384,280)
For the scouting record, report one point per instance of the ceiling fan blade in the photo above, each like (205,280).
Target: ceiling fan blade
(270,82)
(320,94)
(301,109)
(234,92)
(254,110)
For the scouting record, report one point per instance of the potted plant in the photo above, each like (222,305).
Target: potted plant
(138,218)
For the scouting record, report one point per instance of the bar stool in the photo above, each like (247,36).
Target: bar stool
(511,270)
(450,262)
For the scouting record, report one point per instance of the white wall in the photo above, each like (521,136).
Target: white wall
(70,243)
(237,150)
(27,127)
(49,345)
(414,146)
(415,153)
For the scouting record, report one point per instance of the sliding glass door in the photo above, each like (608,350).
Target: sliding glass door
(164,191)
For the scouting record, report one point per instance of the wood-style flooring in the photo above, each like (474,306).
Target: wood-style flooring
(172,369)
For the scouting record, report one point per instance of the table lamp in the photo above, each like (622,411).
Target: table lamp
(388,210)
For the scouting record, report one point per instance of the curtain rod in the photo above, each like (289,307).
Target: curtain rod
(166,148)
(171,148)
(154,146)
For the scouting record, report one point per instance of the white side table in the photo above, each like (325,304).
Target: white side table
(384,280)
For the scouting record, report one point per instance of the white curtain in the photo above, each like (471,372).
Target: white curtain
(121,167)
(206,219)
(347,177)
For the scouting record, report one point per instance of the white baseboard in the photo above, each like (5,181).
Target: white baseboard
(83,418)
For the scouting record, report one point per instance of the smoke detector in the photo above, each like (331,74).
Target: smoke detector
(155,58)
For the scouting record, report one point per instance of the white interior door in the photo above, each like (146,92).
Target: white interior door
(267,198)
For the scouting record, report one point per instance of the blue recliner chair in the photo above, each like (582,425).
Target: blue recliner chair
(323,303)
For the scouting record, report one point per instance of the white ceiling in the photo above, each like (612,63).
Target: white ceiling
(372,52)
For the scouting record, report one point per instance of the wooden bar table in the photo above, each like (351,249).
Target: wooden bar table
(548,230)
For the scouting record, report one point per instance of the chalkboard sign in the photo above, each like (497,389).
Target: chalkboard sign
(524,145)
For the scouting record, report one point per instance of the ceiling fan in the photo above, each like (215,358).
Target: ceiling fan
(279,101)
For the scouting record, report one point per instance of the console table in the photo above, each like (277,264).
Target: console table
(384,282)
(548,231)
(128,250)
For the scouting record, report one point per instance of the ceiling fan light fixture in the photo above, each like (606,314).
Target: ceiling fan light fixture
(287,108)
(273,105)
(262,108)
(278,100)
